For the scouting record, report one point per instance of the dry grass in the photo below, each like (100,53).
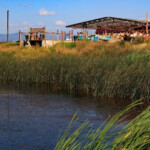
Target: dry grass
(78,48)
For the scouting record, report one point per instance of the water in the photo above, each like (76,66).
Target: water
(15,37)
(31,117)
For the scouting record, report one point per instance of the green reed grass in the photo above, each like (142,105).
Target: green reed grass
(134,136)
(89,68)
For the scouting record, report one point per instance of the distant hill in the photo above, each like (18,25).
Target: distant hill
(12,37)
(15,37)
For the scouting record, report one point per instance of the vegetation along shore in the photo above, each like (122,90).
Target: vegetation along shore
(134,136)
(100,69)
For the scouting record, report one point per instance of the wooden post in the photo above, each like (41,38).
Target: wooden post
(37,37)
(147,23)
(69,35)
(33,35)
(65,36)
(20,38)
(45,34)
(83,35)
(62,36)
(7,25)
(87,34)
(78,35)
(72,34)
(57,35)
(29,33)
(53,38)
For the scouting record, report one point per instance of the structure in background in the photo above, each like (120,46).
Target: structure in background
(111,28)
(38,36)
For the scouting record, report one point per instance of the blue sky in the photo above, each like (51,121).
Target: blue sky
(55,14)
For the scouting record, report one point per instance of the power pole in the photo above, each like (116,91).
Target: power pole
(7,25)
(147,23)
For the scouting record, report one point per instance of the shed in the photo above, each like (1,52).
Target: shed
(113,25)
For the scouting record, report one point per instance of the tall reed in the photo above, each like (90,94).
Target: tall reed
(134,136)
(90,68)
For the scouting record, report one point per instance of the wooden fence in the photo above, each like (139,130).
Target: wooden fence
(34,35)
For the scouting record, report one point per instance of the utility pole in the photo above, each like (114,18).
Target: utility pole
(147,23)
(7,25)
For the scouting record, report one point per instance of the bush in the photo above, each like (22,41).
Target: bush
(69,45)
(138,40)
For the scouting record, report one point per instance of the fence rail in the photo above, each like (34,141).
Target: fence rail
(34,35)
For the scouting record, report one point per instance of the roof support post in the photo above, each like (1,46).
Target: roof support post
(78,35)
(72,34)
(87,34)
(69,35)
(83,34)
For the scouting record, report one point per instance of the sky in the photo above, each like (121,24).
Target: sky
(56,14)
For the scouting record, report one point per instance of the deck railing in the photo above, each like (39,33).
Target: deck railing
(34,35)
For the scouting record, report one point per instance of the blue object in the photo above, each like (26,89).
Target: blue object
(93,38)
(80,37)
(96,39)
(108,37)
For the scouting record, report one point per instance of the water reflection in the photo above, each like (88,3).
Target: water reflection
(31,117)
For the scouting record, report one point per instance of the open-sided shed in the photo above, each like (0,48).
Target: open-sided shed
(113,25)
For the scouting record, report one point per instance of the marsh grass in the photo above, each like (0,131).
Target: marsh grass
(69,45)
(134,136)
(91,68)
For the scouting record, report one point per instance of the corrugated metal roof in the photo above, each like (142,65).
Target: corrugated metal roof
(108,20)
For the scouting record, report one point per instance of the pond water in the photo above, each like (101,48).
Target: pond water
(31,117)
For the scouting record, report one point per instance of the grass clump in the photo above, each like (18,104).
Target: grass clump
(134,136)
(138,40)
(69,45)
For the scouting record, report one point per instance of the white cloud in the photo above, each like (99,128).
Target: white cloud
(24,26)
(40,24)
(5,5)
(23,4)
(44,12)
(25,23)
(60,23)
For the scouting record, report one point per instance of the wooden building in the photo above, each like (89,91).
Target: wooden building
(38,36)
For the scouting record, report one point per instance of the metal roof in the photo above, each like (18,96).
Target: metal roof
(108,23)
